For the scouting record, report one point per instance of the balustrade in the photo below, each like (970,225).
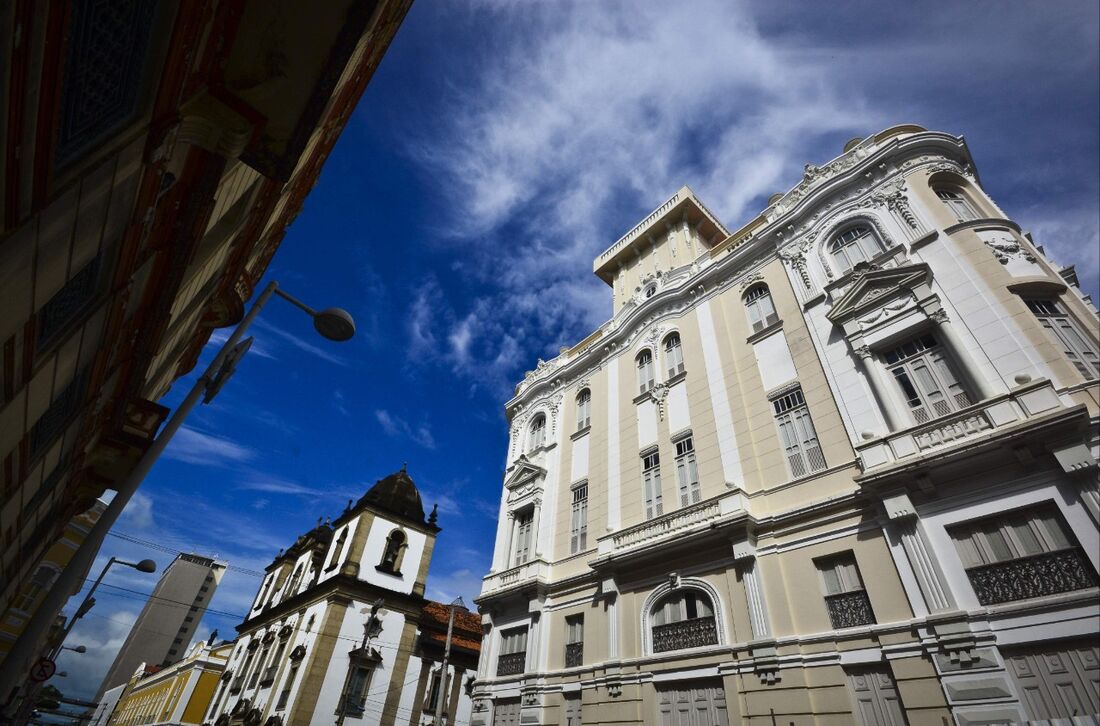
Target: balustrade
(574,654)
(849,609)
(1048,573)
(511,664)
(693,633)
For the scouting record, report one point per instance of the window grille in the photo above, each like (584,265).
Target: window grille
(574,641)
(687,473)
(760,309)
(1022,554)
(957,203)
(578,540)
(684,619)
(68,302)
(927,379)
(1076,345)
(513,652)
(645,371)
(845,597)
(674,355)
(61,411)
(584,405)
(651,475)
(797,434)
(854,245)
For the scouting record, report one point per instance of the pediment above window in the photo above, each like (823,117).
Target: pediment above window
(877,289)
(524,476)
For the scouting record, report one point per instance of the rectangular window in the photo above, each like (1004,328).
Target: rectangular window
(845,597)
(355,697)
(797,434)
(524,525)
(73,297)
(687,473)
(574,641)
(578,538)
(1023,554)
(513,652)
(651,475)
(1076,345)
(284,696)
(61,411)
(926,378)
(433,692)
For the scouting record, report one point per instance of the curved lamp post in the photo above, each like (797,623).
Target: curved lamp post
(332,323)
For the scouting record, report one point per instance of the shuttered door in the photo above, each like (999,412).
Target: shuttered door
(703,704)
(1060,680)
(876,697)
(506,713)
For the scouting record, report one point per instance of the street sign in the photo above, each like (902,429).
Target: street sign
(43,670)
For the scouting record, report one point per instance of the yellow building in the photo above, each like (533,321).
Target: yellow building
(25,602)
(178,694)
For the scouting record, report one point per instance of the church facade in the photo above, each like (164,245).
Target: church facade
(340,630)
(837,466)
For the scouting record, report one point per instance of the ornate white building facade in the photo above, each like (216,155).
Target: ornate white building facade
(837,466)
(340,631)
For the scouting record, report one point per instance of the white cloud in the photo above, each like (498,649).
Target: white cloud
(219,336)
(138,513)
(196,447)
(419,434)
(262,483)
(321,350)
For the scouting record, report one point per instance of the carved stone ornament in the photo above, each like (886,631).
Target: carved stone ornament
(939,316)
(751,280)
(298,653)
(530,699)
(1006,248)
(659,392)
(863,351)
(654,334)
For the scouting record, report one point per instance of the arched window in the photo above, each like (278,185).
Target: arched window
(645,371)
(758,304)
(292,588)
(683,619)
(674,355)
(537,435)
(584,409)
(338,548)
(854,245)
(957,202)
(395,548)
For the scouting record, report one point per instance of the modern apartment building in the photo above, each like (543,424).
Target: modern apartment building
(152,156)
(340,630)
(837,466)
(162,633)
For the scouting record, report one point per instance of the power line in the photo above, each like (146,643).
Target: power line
(171,550)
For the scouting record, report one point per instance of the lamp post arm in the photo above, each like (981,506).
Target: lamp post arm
(15,667)
(76,614)
(294,301)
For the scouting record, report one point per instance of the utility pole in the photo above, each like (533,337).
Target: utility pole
(446,657)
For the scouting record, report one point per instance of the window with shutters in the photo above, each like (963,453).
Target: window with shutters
(574,641)
(758,305)
(856,244)
(651,479)
(584,409)
(683,619)
(687,473)
(513,652)
(1076,344)
(797,435)
(40,582)
(578,528)
(927,378)
(524,525)
(645,371)
(284,695)
(537,435)
(354,701)
(845,597)
(1022,554)
(957,202)
(674,355)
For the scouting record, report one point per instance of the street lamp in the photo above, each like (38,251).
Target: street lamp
(332,323)
(456,604)
(86,604)
(77,649)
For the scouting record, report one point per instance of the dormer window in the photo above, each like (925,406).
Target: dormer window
(537,435)
(856,244)
(674,355)
(957,202)
(645,371)
(395,548)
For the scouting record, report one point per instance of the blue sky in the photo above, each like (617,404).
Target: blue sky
(498,149)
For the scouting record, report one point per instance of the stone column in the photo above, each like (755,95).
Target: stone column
(611,598)
(744,554)
(880,388)
(513,534)
(930,578)
(955,346)
(536,528)
(450,708)
(421,689)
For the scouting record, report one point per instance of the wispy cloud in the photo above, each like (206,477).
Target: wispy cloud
(258,348)
(321,350)
(138,513)
(262,483)
(196,447)
(419,434)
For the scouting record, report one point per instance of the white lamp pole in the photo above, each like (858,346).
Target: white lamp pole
(457,603)
(333,323)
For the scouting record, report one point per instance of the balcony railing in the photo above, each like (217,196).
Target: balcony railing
(574,654)
(1048,573)
(533,570)
(849,609)
(699,516)
(511,664)
(694,633)
(962,427)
